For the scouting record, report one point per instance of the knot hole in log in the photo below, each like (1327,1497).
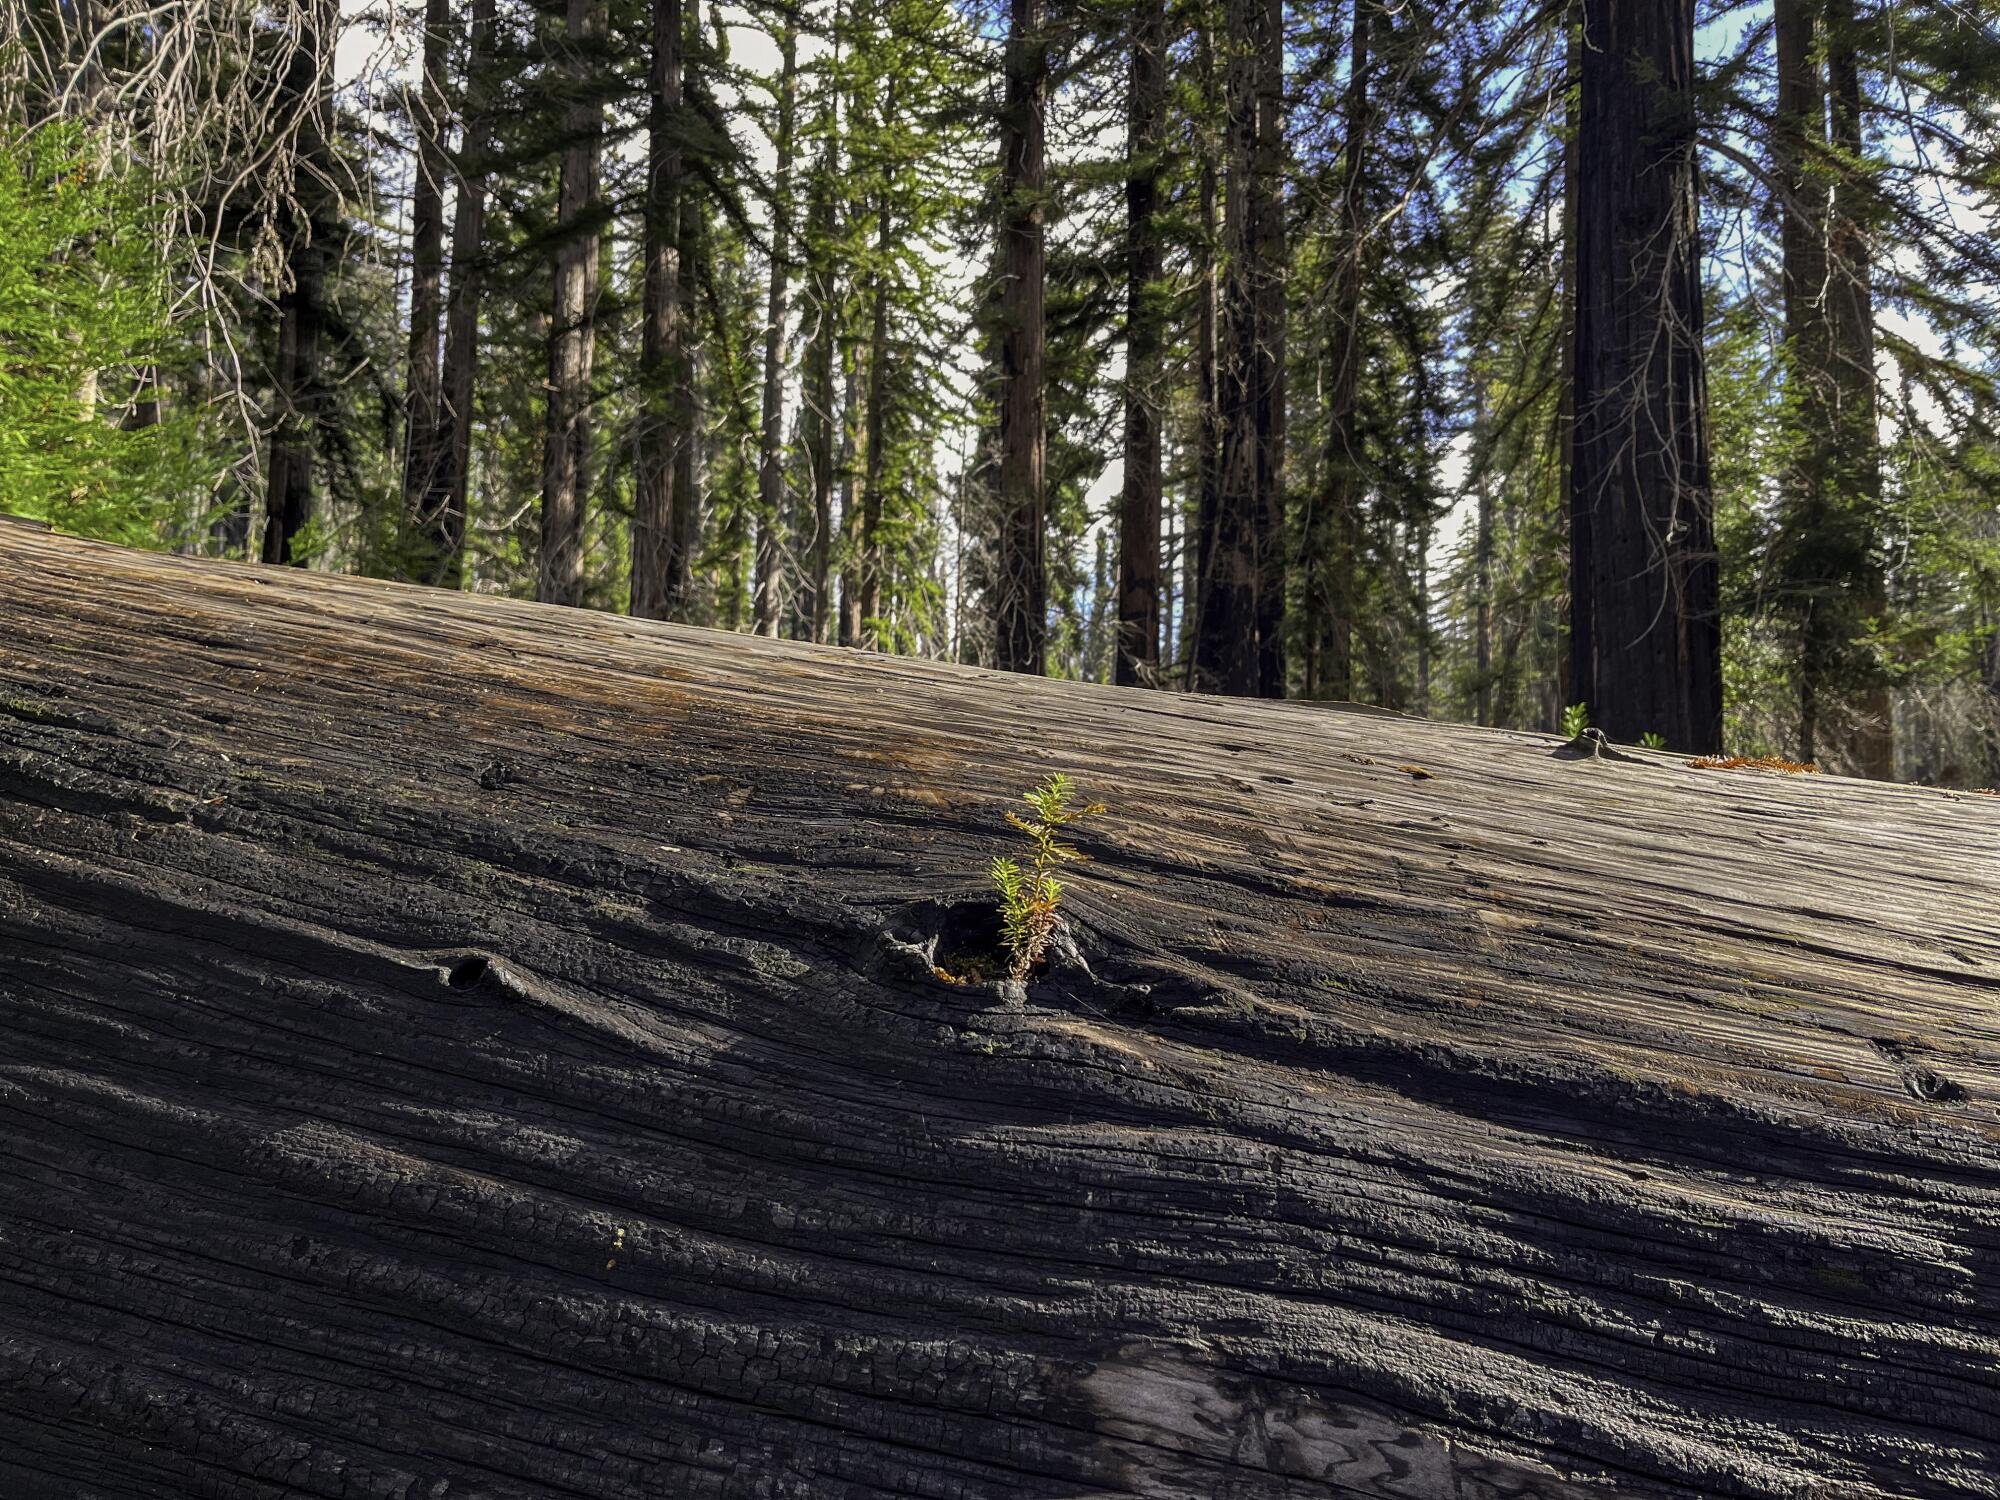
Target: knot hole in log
(466,973)
(959,941)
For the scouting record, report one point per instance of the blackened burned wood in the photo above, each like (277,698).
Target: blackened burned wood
(451,1047)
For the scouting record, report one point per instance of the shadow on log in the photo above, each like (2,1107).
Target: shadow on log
(451,1047)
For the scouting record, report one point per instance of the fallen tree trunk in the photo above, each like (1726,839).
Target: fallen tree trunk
(452,1047)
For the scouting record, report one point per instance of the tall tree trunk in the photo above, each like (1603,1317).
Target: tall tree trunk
(1851,293)
(430,118)
(1022,606)
(288,502)
(663,360)
(1572,170)
(875,441)
(686,522)
(1799,171)
(1482,567)
(1991,758)
(1225,648)
(851,434)
(572,337)
(1238,572)
(295,435)
(1271,264)
(767,603)
(1333,542)
(1170,553)
(1420,568)
(444,507)
(1646,632)
(1137,646)
(817,416)
(1196,561)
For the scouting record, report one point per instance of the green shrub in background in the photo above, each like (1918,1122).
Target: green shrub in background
(84,319)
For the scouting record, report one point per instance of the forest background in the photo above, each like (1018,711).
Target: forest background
(1001,336)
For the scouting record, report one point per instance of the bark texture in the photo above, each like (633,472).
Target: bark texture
(573,330)
(1238,645)
(1829,549)
(1332,596)
(658,571)
(1645,623)
(308,225)
(1136,656)
(869,628)
(1268,392)
(430,117)
(1851,289)
(768,595)
(817,416)
(442,519)
(449,1047)
(1197,550)
(1021,606)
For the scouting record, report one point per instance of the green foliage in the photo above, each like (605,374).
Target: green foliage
(1653,740)
(84,311)
(1029,894)
(1575,719)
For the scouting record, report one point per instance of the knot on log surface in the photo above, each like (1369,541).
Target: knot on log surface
(455,1048)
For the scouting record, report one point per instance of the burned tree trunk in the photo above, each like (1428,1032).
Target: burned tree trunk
(423,395)
(769,590)
(453,1047)
(566,448)
(1021,606)
(307,217)
(869,627)
(817,415)
(1871,747)
(1645,616)
(1238,647)
(658,572)
(1136,658)
(442,527)
(1333,531)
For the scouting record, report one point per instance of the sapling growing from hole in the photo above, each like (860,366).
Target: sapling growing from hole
(1030,892)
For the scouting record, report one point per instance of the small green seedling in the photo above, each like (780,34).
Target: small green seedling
(1029,893)
(1576,719)
(1652,739)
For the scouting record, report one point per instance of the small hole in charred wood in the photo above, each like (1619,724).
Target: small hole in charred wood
(467,972)
(959,940)
(1932,1087)
(959,943)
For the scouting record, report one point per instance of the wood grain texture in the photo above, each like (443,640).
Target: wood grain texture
(451,1047)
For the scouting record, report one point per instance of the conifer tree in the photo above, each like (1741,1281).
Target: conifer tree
(423,384)
(771,459)
(1021,607)
(566,463)
(1645,633)
(659,561)
(820,332)
(441,512)
(1138,632)
(1238,641)
(305,221)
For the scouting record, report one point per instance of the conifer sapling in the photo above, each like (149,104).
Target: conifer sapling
(1029,893)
